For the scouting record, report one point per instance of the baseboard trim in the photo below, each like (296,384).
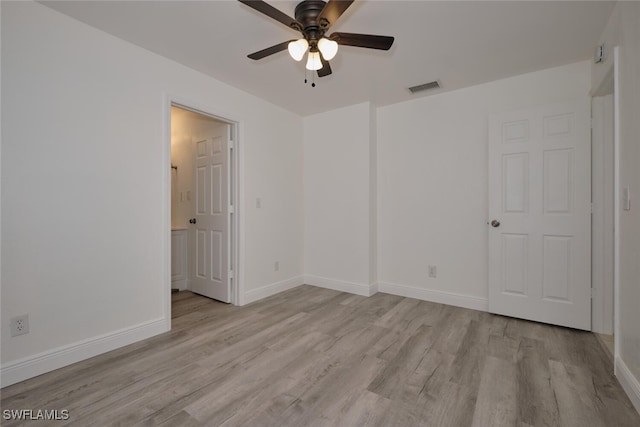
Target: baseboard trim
(341,285)
(32,366)
(629,382)
(271,289)
(442,297)
(181,284)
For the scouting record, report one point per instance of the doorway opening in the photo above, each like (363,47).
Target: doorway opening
(604,189)
(203,193)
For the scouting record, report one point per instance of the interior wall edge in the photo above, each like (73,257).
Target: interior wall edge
(628,382)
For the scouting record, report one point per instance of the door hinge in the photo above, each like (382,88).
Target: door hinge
(231,209)
(231,145)
(230,274)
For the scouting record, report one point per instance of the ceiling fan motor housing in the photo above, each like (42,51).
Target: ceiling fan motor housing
(307,14)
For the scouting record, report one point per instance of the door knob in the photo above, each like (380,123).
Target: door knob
(192,221)
(495,223)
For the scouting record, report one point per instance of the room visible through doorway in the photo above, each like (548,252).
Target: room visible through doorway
(202,203)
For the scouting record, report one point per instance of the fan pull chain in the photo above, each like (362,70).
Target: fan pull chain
(313,78)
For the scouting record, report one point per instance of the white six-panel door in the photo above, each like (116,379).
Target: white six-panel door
(211,230)
(540,214)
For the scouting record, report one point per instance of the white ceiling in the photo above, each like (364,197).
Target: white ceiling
(458,43)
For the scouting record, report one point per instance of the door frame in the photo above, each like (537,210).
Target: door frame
(611,77)
(616,209)
(602,201)
(235,195)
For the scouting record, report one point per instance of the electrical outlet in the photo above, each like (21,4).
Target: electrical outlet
(19,325)
(433,271)
(276,266)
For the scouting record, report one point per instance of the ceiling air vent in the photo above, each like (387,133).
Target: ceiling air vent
(427,86)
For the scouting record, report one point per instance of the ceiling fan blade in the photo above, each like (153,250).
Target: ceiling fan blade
(332,11)
(270,50)
(272,12)
(326,68)
(363,40)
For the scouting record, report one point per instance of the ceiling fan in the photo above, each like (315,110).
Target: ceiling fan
(313,18)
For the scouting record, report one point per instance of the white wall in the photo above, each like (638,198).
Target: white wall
(337,200)
(273,232)
(85,197)
(1,134)
(373,197)
(432,182)
(623,30)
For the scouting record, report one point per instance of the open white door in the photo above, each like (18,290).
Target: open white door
(540,214)
(211,234)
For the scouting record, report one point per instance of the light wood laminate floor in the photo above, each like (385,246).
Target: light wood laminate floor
(316,357)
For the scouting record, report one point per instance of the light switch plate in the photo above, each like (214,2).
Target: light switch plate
(626,198)
(599,54)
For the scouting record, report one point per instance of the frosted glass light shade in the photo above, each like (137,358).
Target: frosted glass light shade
(313,61)
(328,48)
(298,48)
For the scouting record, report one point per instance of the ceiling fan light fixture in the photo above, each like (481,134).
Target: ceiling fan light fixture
(313,61)
(314,18)
(328,48)
(298,48)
